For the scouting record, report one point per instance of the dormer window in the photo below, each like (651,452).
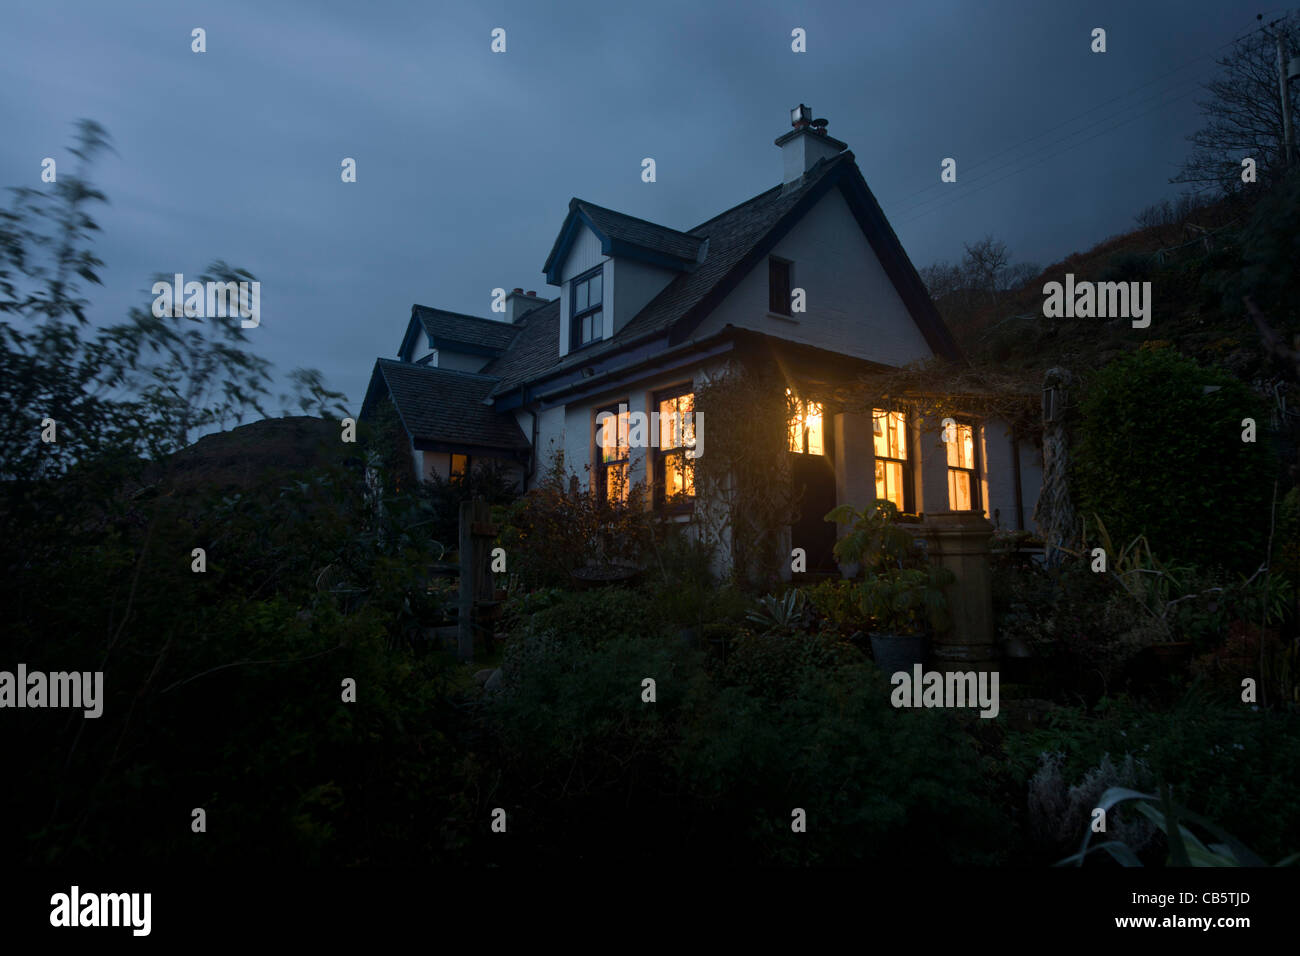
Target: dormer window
(585,316)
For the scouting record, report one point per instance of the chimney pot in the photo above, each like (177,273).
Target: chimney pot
(517,291)
(531,293)
(806,144)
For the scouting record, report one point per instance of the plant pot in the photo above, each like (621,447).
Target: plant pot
(898,652)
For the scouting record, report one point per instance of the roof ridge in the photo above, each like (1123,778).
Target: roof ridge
(459,315)
(436,368)
(825,163)
(627,215)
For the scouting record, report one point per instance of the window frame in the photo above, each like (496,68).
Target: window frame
(576,317)
(976,497)
(803,405)
(686,503)
(601,467)
(785,310)
(909,479)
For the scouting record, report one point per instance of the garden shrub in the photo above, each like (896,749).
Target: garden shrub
(771,666)
(1059,814)
(1158,456)
(880,786)
(598,615)
(1223,759)
(557,527)
(711,771)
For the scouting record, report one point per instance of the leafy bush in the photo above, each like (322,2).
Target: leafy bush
(1234,763)
(771,665)
(1176,823)
(1158,456)
(557,527)
(599,615)
(1059,812)
(712,770)
(839,603)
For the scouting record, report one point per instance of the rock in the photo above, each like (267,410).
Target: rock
(483,675)
(494,682)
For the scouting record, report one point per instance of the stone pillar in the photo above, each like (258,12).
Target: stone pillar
(959,541)
(855,467)
(933,467)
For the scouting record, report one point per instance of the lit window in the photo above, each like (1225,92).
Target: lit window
(963,470)
(459,466)
(611,437)
(893,470)
(674,472)
(807,435)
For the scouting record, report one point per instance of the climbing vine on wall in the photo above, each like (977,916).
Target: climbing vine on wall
(743,482)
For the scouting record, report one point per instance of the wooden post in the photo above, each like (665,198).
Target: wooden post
(476,534)
(465,618)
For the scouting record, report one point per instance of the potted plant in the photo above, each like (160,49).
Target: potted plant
(902,593)
(904,606)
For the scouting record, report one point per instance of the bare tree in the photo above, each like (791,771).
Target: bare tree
(1244,113)
(943,279)
(985,263)
(1013,277)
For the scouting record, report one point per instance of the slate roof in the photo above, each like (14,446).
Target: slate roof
(535,350)
(732,243)
(447,327)
(444,405)
(642,233)
(731,236)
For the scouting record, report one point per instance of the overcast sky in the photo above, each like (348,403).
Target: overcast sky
(467,159)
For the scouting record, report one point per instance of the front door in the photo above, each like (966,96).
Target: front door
(813,475)
(814,483)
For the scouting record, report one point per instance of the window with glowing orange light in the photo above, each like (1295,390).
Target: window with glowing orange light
(893,466)
(807,434)
(963,467)
(614,453)
(674,471)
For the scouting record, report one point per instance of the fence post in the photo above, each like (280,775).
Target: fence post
(476,534)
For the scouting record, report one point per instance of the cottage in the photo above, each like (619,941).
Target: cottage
(809,270)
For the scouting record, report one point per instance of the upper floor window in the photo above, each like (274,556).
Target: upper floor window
(963,467)
(779,286)
(586,320)
(614,452)
(674,471)
(893,467)
(807,436)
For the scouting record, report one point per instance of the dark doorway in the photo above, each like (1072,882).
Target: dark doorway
(814,482)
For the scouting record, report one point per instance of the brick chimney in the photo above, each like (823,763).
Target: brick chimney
(806,144)
(519,303)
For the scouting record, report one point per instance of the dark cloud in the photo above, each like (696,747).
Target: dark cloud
(466,159)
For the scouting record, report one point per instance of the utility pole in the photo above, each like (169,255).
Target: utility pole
(1288,137)
(1288,134)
